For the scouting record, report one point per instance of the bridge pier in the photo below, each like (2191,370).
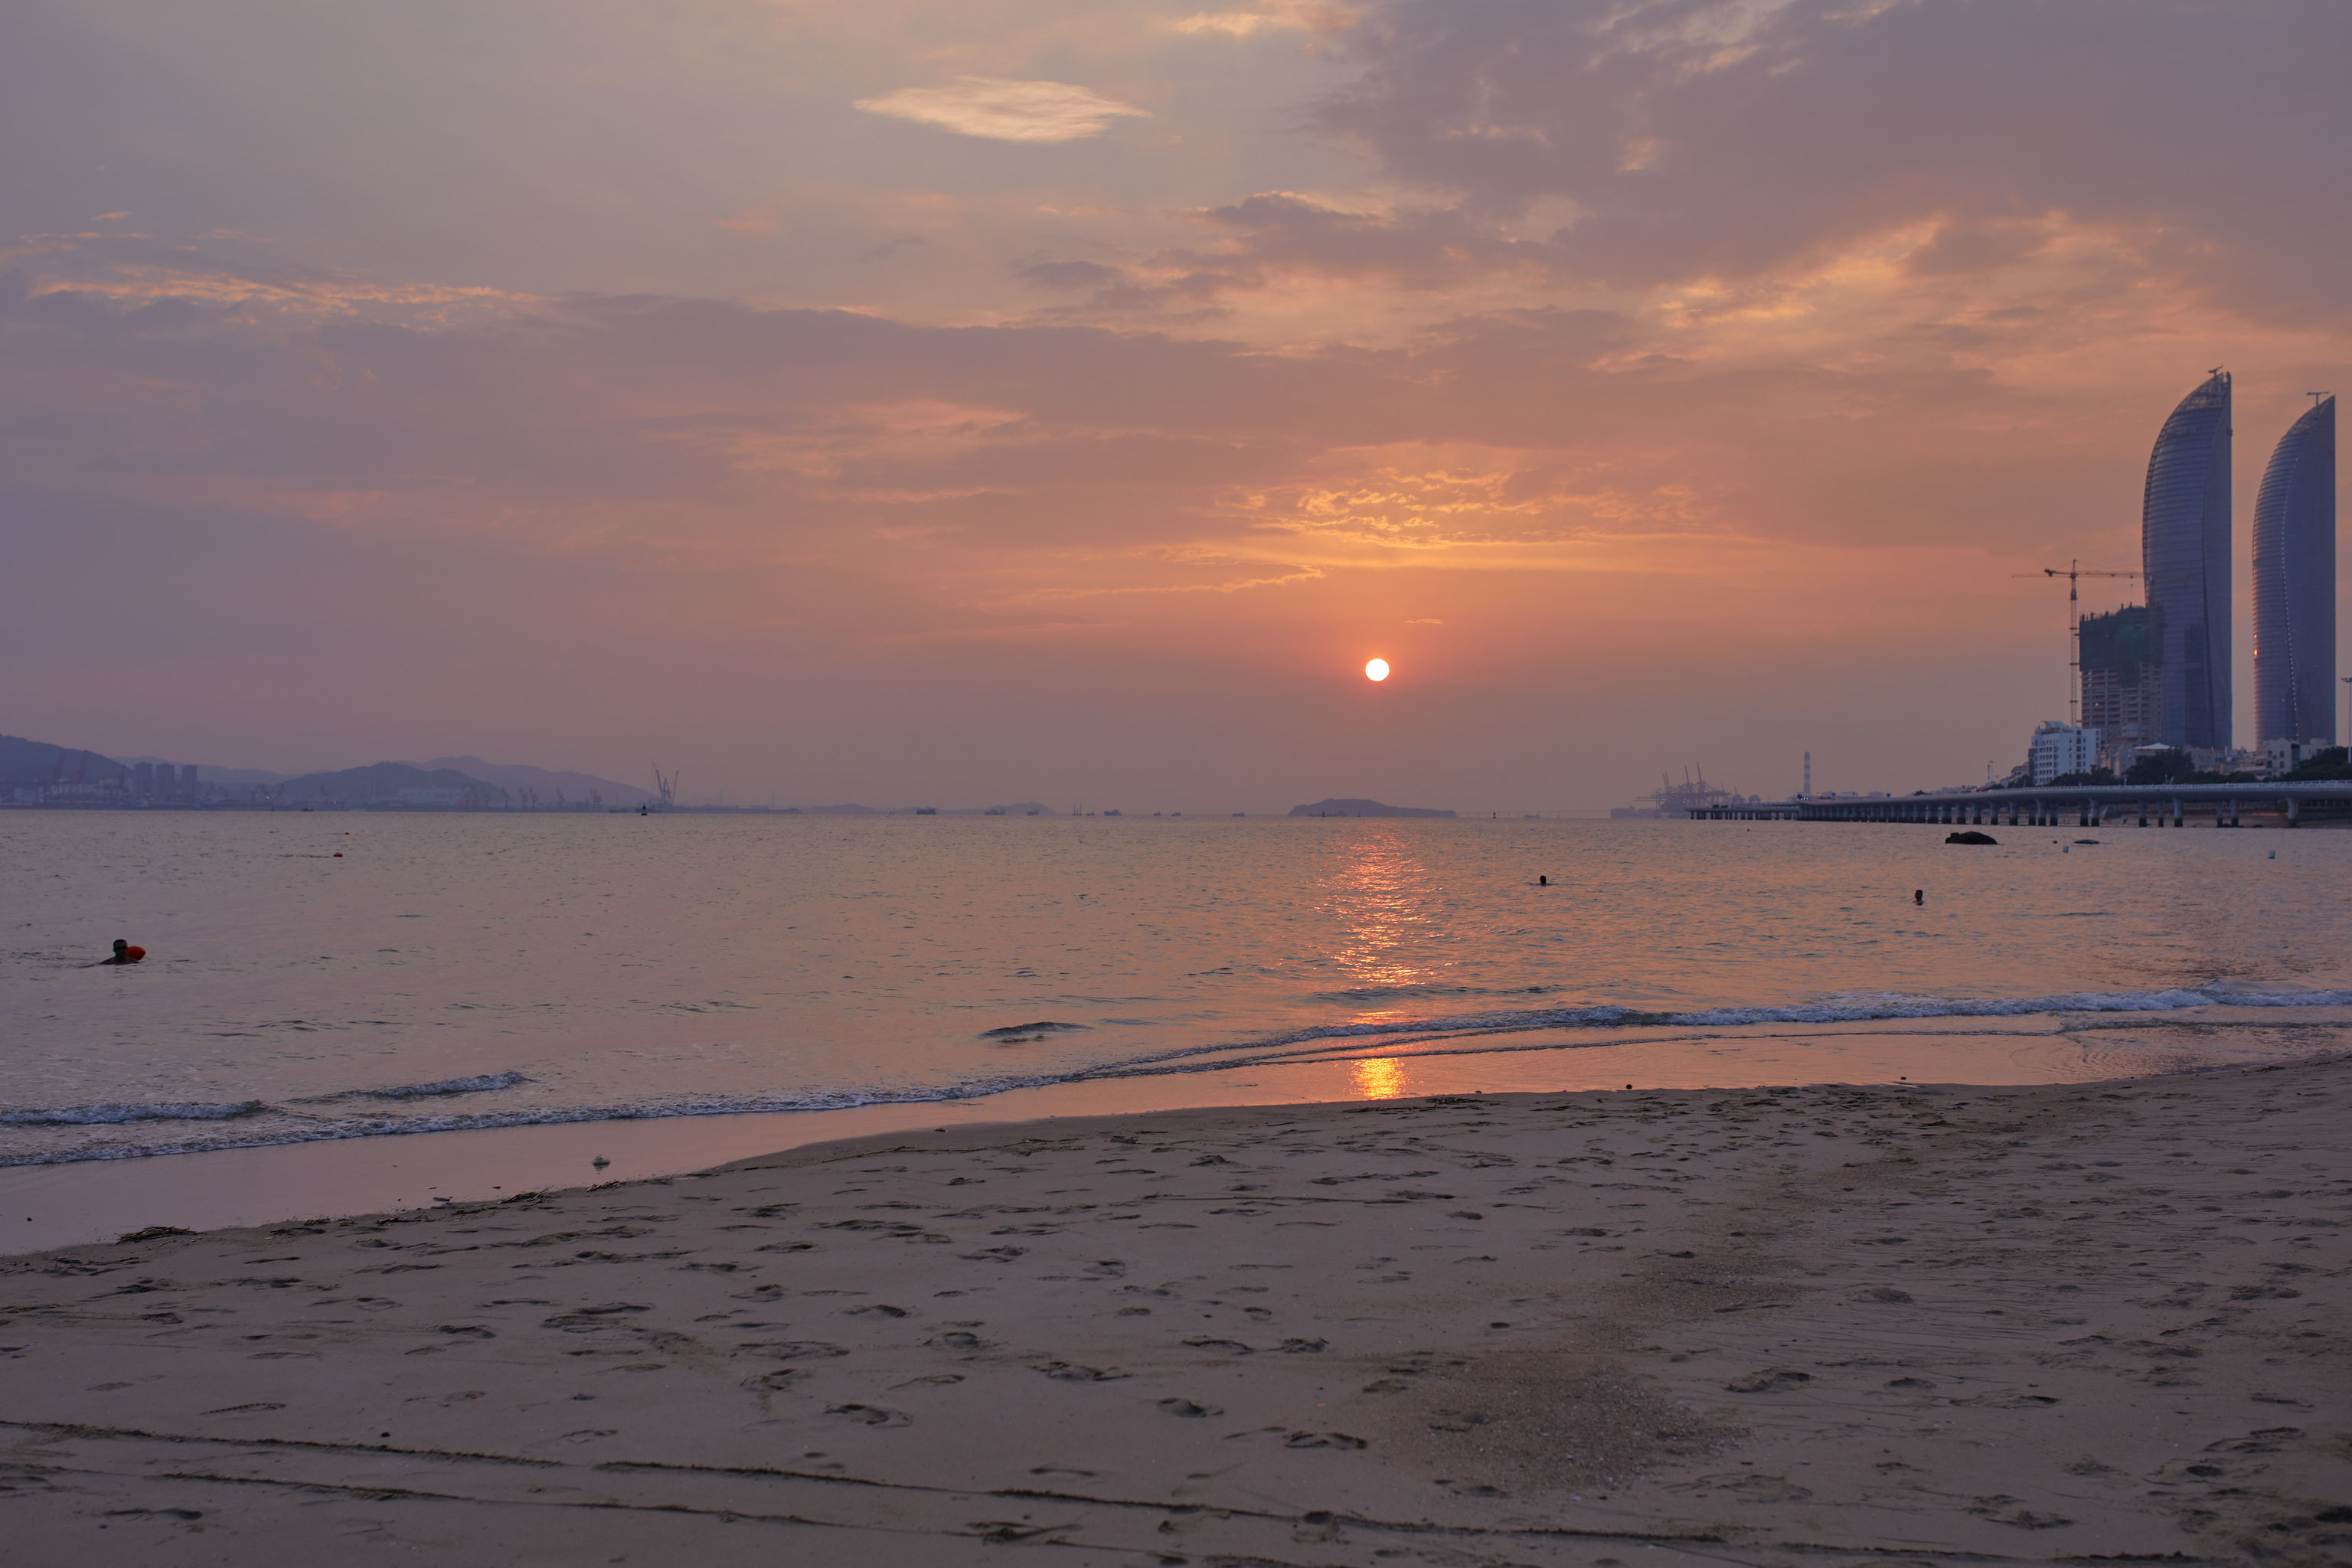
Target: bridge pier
(2294,812)
(2176,812)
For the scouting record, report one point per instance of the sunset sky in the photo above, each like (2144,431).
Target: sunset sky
(969,400)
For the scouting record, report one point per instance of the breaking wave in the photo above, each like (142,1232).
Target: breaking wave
(478,1085)
(106,1115)
(1487,1032)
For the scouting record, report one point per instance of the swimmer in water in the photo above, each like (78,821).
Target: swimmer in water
(123,953)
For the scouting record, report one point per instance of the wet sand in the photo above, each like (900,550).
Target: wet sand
(1902,1324)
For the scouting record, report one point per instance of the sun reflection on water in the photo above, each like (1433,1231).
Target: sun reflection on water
(1378,1077)
(1375,899)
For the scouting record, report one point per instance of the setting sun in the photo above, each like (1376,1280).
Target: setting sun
(1378,669)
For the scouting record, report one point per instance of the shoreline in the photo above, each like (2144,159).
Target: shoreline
(1946,1322)
(75,1201)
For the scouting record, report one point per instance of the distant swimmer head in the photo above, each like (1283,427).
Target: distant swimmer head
(121,947)
(1918,895)
(1543,882)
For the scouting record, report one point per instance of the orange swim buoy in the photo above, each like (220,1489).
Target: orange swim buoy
(134,953)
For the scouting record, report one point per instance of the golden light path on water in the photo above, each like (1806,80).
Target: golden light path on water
(1375,896)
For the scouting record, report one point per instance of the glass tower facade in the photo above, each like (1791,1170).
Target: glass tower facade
(2295,583)
(2185,551)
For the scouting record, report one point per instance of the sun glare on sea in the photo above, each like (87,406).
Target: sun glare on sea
(1378,669)
(1378,1077)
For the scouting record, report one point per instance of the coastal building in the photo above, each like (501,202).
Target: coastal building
(2283,755)
(2295,584)
(2120,659)
(2185,553)
(2063,751)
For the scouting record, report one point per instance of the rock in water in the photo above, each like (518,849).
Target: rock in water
(1970,837)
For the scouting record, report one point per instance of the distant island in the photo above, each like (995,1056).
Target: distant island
(1363,809)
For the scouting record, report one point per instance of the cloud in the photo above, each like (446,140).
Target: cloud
(1740,139)
(1002,110)
(1303,16)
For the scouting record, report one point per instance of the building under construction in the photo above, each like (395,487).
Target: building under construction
(2120,658)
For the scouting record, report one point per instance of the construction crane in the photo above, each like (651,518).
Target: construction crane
(2075,571)
(666,787)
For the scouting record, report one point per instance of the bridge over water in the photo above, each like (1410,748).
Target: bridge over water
(2150,805)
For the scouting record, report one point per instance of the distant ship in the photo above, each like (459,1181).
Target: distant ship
(1678,800)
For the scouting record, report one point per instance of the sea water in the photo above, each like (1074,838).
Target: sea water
(340,974)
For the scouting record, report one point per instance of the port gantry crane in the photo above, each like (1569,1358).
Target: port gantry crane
(2075,571)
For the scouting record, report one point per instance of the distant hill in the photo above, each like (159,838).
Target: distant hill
(34,763)
(65,775)
(545,782)
(394,782)
(1363,809)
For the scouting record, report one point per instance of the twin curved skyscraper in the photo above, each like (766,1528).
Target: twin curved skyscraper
(2185,553)
(2295,583)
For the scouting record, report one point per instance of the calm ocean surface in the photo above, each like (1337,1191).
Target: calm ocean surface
(463,972)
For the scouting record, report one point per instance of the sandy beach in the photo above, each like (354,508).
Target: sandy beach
(1915,1324)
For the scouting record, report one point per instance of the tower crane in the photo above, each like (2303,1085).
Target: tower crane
(2075,571)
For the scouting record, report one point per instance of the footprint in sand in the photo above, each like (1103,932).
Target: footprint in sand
(1767,1380)
(871,1415)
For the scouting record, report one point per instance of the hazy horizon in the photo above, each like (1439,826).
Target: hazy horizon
(896,403)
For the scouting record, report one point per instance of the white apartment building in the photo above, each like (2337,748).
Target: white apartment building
(2059,750)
